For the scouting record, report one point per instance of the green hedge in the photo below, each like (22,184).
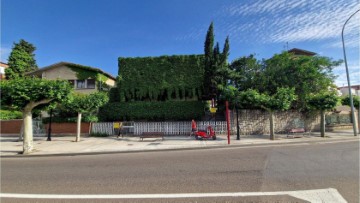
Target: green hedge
(9,115)
(87,119)
(160,78)
(169,110)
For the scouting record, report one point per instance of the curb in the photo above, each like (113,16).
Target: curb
(300,142)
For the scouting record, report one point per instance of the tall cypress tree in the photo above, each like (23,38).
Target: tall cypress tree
(21,60)
(216,65)
(224,68)
(225,53)
(208,49)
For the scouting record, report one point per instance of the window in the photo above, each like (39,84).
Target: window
(90,84)
(83,84)
(80,84)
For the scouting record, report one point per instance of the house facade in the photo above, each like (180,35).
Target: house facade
(355,90)
(84,79)
(3,66)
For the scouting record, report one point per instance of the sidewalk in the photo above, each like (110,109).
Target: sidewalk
(98,145)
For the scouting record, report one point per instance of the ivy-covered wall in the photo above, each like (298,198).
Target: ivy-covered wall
(178,77)
(152,111)
(84,72)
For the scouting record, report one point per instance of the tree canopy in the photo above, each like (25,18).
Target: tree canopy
(22,92)
(306,74)
(21,60)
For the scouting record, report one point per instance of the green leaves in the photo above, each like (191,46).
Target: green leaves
(160,78)
(21,60)
(305,74)
(17,93)
(216,70)
(250,99)
(346,100)
(169,110)
(323,101)
(84,103)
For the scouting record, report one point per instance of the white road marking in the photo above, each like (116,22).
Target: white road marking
(329,195)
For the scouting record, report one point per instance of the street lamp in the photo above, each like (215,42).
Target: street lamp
(49,130)
(347,74)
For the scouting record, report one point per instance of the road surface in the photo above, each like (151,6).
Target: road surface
(297,173)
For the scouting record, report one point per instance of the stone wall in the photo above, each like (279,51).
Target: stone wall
(257,121)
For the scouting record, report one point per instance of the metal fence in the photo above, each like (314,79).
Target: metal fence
(168,128)
(102,128)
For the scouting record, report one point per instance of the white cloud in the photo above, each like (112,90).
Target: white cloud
(294,20)
(268,21)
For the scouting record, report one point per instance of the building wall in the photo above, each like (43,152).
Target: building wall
(3,66)
(63,72)
(345,91)
(110,82)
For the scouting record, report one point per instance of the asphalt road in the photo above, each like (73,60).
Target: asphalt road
(260,169)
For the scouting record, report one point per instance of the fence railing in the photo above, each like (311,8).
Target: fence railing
(102,128)
(168,128)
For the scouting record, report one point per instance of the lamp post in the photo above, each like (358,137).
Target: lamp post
(49,130)
(347,74)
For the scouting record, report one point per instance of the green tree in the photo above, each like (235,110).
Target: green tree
(246,73)
(21,60)
(209,61)
(346,100)
(83,103)
(223,72)
(307,74)
(280,101)
(322,102)
(216,65)
(27,94)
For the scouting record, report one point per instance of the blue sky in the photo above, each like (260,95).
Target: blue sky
(97,32)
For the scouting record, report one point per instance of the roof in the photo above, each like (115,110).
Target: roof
(2,64)
(297,51)
(356,87)
(71,65)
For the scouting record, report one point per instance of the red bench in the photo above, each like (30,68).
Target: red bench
(294,131)
(152,135)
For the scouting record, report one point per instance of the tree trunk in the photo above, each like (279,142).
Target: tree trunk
(272,137)
(28,145)
(322,123)
(78,129)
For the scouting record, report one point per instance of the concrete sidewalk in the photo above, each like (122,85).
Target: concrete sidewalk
(10,147)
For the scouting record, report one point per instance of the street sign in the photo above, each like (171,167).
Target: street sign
(213,110)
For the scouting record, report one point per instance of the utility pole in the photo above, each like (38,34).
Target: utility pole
(347,75)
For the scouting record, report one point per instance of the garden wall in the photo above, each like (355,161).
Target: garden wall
(10,126)
(67,128)
(14,127)
(257,121)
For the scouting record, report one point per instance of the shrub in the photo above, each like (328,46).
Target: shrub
(98,135)
(86,118)
(9,115)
